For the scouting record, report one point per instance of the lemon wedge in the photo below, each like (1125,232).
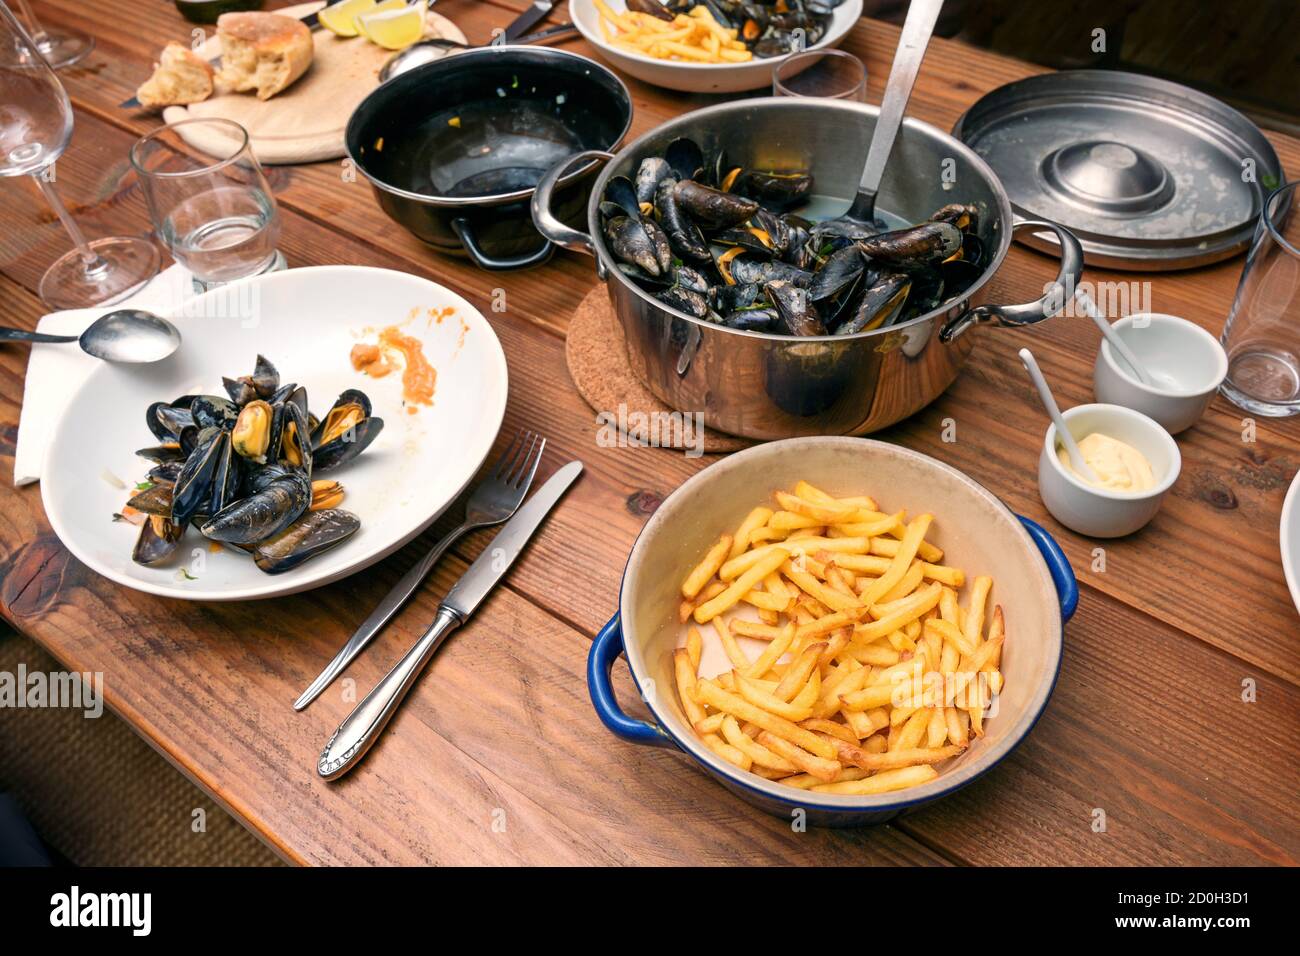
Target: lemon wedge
(395,28)
(340,18)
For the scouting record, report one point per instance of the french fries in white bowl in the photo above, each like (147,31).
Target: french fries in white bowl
(836,626)
(708,59)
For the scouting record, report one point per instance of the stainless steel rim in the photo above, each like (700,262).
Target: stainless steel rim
(607,260)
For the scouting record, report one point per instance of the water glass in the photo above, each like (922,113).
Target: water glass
(1262,334)
(829,74)
(209,201)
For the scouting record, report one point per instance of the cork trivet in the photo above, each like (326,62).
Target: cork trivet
(598,365)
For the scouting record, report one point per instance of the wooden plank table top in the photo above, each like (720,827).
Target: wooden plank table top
(1177,704)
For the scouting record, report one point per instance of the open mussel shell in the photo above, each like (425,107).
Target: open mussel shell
(345,431)
(841,270)
(652,171)
(879,306)
(166,419)
(164,453)
(158,540)
(154,500)
(779,189)
(265,379)
(283,495)
(732,298)
(684,236)
(213,411)
(167,471)
(622,193)
(315,532)
(713,208)
(965,216)
(194,485)
(240,390)
(686,158)
(795,307)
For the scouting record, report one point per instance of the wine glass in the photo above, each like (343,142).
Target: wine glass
(35,129)
(59,47)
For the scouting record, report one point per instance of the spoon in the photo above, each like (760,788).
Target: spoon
(1112,337)
(1054,412)
(128,335)
(435,48)
(859,221)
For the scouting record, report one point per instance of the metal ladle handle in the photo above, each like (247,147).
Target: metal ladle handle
(917,30)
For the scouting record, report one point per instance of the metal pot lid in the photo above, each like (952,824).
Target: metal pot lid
(1147,174)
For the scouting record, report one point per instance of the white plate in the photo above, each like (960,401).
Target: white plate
(699,77)
(306,322)
(1289,539)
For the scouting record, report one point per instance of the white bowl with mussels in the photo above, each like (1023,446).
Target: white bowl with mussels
(306,322)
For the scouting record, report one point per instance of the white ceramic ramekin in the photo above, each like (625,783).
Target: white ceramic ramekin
(1100,512)
(1186,363)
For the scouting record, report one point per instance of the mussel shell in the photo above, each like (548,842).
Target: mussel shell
(840,271)
(315,532)
(654,169)
(747,239)
(283,415)
(732,298)
(240,390)
(684,235)
(687,278)
(795,307)
(761,319)
(154,500)
(630,242)
(712,208)
(622,193)
(965,216)
(347,446)
(167,471)
(685,157)
(880,304)
(164,453)
(747,269)
(265,378)
(958,276)
(775,188)
(914,247)
(193,490)
(153,548)
(663,251)
(213,411)
(685,300)
(263,514)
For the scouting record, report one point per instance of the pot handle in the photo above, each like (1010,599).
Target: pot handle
(1067,587)
(600,662)
(545,221)
(1067,280)
(481,259)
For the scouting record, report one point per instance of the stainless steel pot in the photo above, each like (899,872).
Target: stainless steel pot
(770,386)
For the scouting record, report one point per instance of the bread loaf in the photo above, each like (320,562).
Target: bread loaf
(262,51)
(182,76)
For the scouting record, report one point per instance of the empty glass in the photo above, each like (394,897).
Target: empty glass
(1262,334)
(59,47)
(829,74)
(212,208)
(35,129)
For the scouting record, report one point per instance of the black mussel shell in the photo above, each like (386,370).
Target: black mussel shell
(958,276)
(213,411)
(193,490)
(290,439)
(663,250)
(712,208)
(684,236)
(733,298)
(263,514)
(164,453)
(652,171)
(156,425)
(914,247)
(345,432)
(687,278)
(880,304)
(750,238)
(154,500)
(265,379)
(795,307)
(240,390)
(927,291)
(685,300)
(839,272)
(622,193)
(760,319)
(746,270)
(844,229)
(167,471)
(630,242)
(312,534)
(965,216)
(685,157)
(158,540)
(779,189)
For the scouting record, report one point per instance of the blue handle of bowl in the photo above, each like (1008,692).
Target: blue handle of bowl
(1067,588)
(600,662)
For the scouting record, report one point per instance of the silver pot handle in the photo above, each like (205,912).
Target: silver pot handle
(545,221)
(1062,290)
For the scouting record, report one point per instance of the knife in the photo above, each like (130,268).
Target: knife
(311,21)
(537,11)
(361,728)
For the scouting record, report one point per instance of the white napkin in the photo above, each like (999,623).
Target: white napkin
(54,372)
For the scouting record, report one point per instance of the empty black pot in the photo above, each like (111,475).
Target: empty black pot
(454,148)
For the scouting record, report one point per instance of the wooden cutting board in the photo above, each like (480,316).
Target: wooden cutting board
(305,123)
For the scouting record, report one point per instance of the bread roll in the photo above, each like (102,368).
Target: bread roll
(182,76)
(262,51)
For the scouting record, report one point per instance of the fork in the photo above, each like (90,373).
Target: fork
(495,499)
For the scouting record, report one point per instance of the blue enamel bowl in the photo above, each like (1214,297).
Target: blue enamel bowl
(1032,581)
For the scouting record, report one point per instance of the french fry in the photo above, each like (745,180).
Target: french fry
(695,648)
(823,768)
(720,699)
(779,645)
(703,572)
(753,521)
(740,586)
(685,674)
(729,646)
(756,752)
(882,782)
(727,752)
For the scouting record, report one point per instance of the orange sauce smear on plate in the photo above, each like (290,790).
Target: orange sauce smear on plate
(419,378)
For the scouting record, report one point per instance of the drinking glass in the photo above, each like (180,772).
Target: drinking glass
(1262,334)
(59,47)
(829,74)
(35,129)
(212,208)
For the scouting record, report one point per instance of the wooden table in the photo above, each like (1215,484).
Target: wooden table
(1148,722)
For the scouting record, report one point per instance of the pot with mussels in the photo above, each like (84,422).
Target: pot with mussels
(739,296)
